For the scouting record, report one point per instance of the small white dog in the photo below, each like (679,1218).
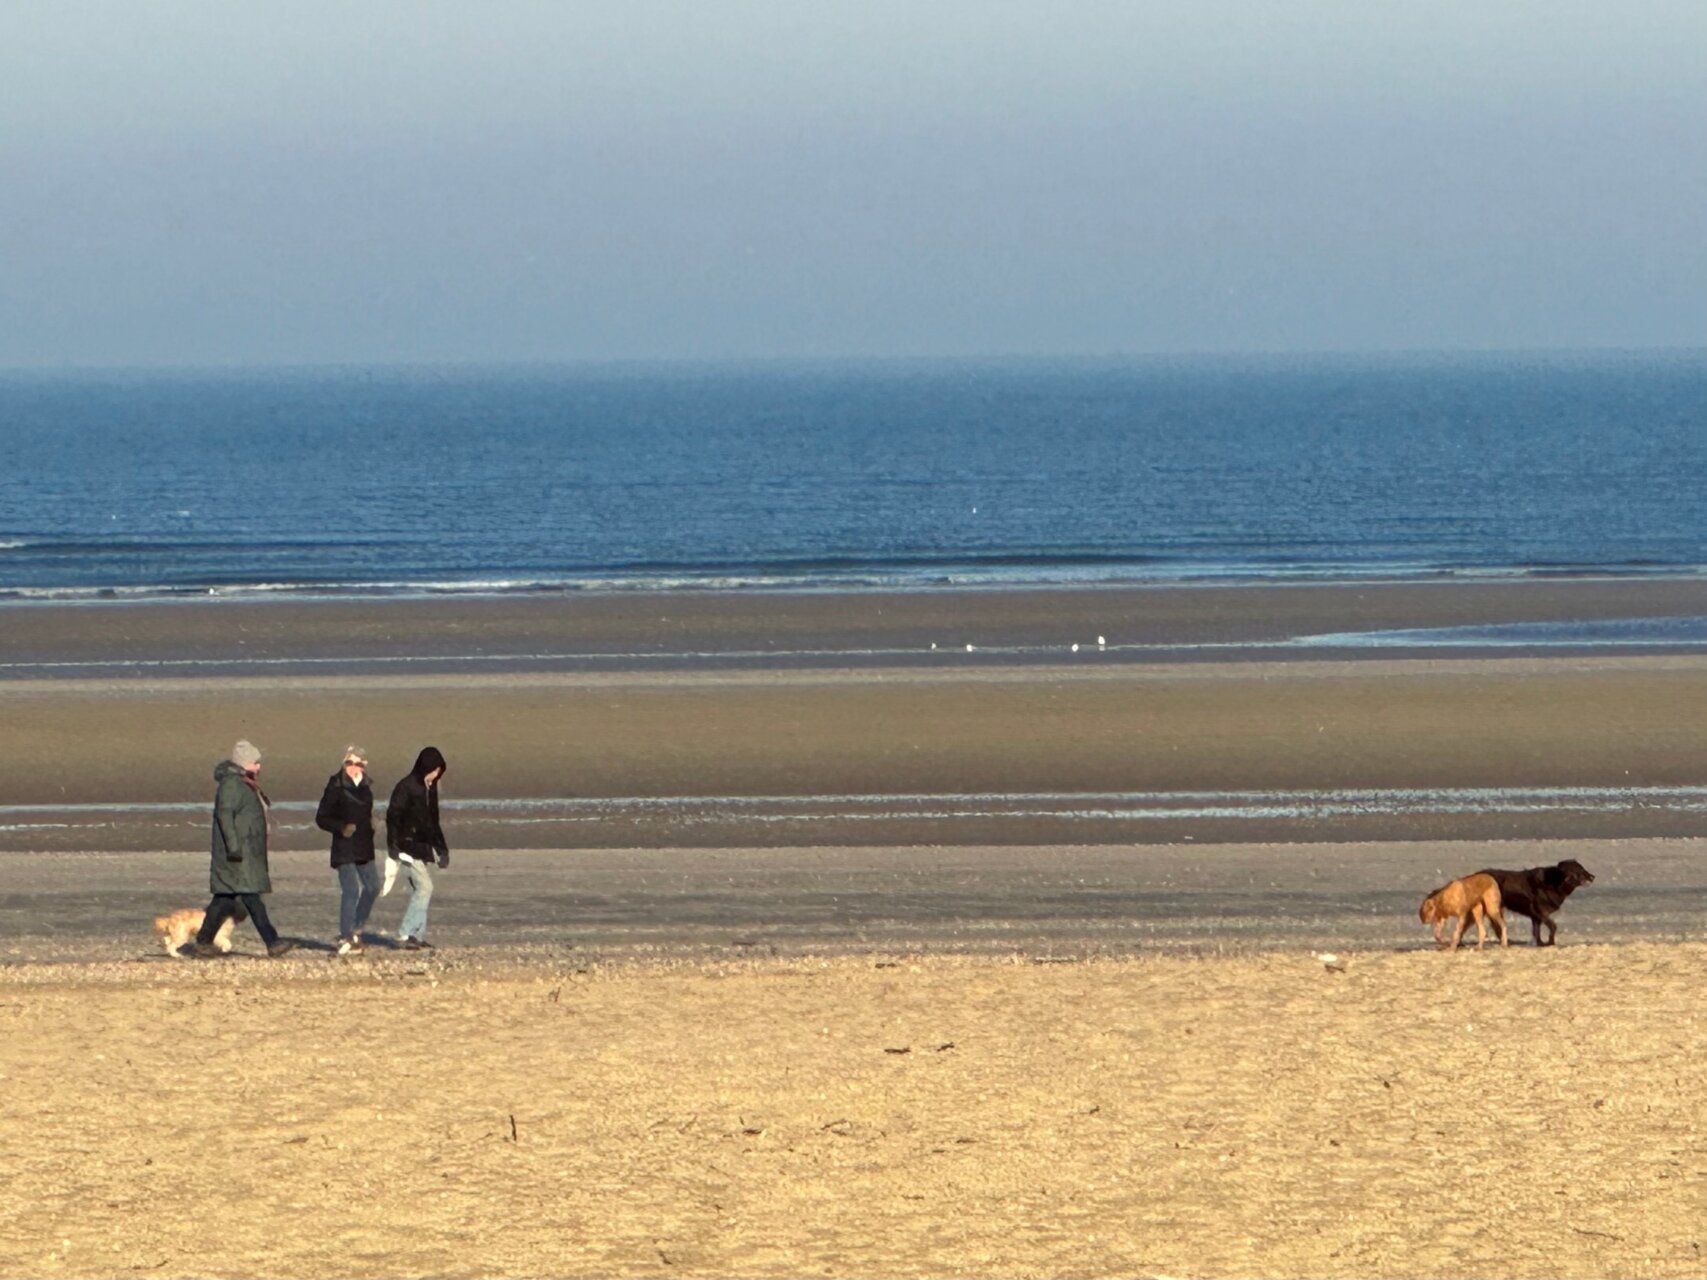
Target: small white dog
(179,927)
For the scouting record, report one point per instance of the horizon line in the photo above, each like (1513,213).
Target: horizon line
(426,365)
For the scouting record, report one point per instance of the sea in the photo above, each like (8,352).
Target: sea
(847,476)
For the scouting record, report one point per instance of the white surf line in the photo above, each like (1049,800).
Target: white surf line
(407,659)
(1400,640)
(1082,649)
(1102,805)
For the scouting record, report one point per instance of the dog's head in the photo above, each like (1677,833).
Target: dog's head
(1573,875)
(1430,911)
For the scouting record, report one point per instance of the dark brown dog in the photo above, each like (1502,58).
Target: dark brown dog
(1540,891)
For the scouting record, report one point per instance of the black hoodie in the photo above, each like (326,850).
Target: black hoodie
(412,817)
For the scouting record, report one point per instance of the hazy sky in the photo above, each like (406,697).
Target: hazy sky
(187,183)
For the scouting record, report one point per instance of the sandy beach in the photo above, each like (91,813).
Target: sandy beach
(1525,1114)
(918,966)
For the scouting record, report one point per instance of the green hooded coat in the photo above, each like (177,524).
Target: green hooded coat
(239,834)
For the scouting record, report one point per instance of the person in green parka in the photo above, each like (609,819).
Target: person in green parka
(238,876)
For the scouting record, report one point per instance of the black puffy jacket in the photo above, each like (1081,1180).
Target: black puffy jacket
(346,803)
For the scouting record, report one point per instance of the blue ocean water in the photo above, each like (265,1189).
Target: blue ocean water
(850,475)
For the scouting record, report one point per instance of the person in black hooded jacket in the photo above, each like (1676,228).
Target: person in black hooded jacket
(414,838)
(346,814)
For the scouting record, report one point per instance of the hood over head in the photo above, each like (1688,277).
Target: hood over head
(430,758)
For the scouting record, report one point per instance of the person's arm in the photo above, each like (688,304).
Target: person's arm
(327,817)
(225,802)
(439,845)
(394,822)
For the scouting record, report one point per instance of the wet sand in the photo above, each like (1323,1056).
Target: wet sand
(682,630)
(723,720)
(721,903)
(1609,722)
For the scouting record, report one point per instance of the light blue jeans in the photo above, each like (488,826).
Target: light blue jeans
(420,877)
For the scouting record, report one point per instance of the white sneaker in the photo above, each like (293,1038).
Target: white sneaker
(344,947)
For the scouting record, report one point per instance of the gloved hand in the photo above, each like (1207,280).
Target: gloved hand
(349,830)
(444,857)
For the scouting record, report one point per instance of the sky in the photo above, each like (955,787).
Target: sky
(200,183)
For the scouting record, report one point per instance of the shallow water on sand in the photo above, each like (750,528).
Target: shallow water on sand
(961,819)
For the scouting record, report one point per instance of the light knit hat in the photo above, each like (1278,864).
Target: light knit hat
(355,755)
(245,755)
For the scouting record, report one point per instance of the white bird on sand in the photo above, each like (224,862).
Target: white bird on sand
(1101,642)
(1331,962)
(1075,648)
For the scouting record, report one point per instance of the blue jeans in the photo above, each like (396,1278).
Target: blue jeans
(420,877)
(358,884)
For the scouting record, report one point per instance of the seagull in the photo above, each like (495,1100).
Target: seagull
(1101,642)
(1075,648)
(1331,962)
(968,648)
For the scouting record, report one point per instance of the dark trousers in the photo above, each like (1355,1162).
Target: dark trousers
(225,904)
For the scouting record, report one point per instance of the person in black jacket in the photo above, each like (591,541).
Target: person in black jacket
(414,838)
(346,812)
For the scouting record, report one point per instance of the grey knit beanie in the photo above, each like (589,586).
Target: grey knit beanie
(245,755)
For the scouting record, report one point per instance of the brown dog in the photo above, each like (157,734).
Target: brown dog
(1540,891)
(1473,897)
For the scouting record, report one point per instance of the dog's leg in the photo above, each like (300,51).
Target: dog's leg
(1458,932)
(1552,932)
(1479,914)
(1499,926)
(1535,927)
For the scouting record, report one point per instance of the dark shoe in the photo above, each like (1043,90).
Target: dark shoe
(417,944)
(205,951)
(277,949)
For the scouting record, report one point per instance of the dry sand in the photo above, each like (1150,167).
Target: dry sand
(1049,1062)
(1526,1113)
